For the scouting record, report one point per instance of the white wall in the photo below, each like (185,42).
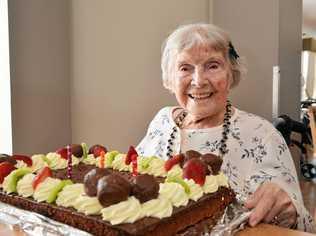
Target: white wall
(116,79)
(39,45)
(267,33)
(5,89)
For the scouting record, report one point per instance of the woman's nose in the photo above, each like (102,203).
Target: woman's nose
(198,79)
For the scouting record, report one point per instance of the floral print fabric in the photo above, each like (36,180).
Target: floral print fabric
(256,153)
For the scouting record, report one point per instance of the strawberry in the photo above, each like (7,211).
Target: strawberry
(134,164)
(173,161)
(41,176)
(26,159)
(97,149)
(195,169)
(130,153)
(62,152)
(5,169)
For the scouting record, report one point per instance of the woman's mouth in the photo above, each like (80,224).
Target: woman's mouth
(200,96)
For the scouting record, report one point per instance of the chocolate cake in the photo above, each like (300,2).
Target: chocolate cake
(189,219)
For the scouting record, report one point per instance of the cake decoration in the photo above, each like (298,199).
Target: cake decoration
(96,150)
(76,150)
(130,197)
(91,180)
(176,159)
(195,169)
(63,152)
(134,164)
(69,161)
(112,189)
(41,176)
(130,153)
(145,187)
(10,181)
(24,186)
(102,154)
(26,159)
(6,168)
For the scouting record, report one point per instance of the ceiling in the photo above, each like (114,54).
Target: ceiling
(309,18)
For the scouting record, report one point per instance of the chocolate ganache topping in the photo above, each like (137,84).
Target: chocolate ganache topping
(113,189)
(91,179)
(145,188)
(5,157)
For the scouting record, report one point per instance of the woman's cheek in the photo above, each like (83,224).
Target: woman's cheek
(221,85)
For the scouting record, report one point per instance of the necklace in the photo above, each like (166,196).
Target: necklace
(226,124)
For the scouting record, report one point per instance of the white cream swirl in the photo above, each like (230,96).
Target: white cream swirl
(69,194)
(87,205)
(211,184)
(56,162)
(24,186)
(38,162)
(159,208)
(222,179)
(119,163)
(157,167)
(124,212)
(44,189)
(196,191)
(174,192)
(90,160)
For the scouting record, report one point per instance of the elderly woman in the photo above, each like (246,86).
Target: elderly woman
(200,66)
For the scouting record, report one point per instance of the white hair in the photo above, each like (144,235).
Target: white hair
(188,36)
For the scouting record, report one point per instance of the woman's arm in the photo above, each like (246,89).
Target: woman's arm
(276,192)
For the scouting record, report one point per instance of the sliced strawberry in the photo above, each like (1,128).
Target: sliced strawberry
(62,152)
(26,159)
(134,164)
(5,169)
(130,153)
(195,169)
(97,149)
(173,161)
(41,176)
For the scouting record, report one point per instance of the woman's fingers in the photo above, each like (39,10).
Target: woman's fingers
(254,198)
(262,208)
(270,203)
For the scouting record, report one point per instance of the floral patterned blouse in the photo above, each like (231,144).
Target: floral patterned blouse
(256,153)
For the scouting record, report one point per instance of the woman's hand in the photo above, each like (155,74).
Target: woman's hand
(271,204)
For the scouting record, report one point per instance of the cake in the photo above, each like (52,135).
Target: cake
(109,193)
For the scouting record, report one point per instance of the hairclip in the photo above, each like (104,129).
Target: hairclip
(232,51)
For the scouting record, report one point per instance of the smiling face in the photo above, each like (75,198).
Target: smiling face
(201,80)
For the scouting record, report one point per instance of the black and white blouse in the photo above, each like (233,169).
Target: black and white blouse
(256,153)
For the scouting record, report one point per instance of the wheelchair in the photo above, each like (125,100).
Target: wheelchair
(286,126)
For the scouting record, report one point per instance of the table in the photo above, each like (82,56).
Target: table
(260,230)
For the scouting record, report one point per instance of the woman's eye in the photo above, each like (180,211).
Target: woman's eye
(213,66)
(184,68)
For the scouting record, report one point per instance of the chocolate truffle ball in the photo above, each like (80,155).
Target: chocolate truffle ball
(213,163)
(76,150)
(113,189)
(91,179)
(145,188)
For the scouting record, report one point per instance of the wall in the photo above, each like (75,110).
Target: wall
(266,33)
(115,72)
(39,61)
